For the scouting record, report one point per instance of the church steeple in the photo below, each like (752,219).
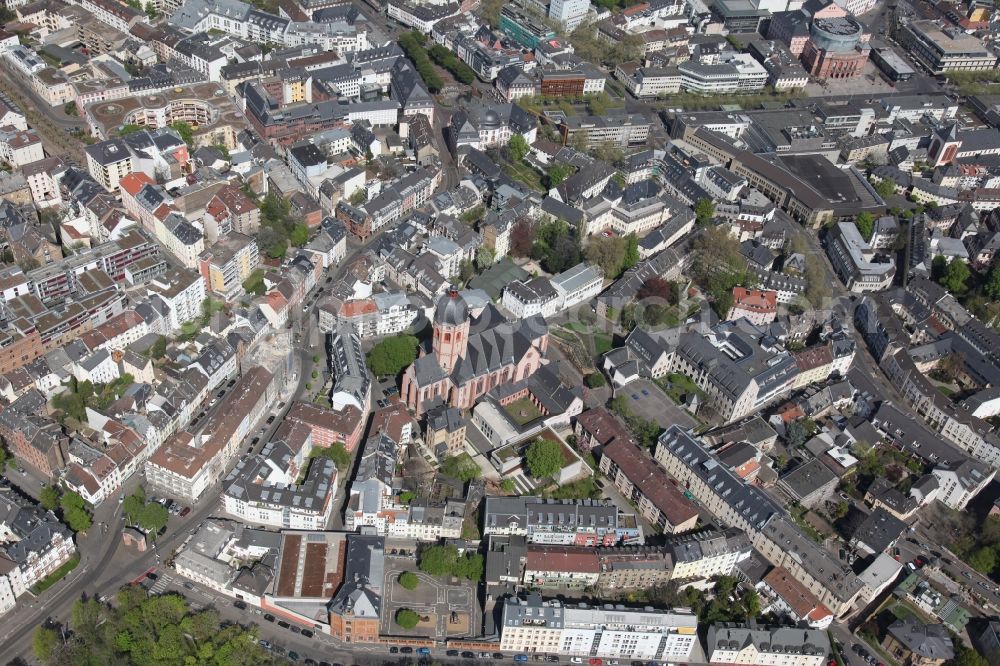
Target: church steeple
(451,329)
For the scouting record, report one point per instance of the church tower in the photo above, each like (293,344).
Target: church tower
(944,145)
(451,329)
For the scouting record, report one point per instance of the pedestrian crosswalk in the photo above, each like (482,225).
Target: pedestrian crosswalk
(161,584)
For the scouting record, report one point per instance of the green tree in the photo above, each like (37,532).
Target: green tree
(631,257)
(544,458)
(49,498)
(595,380)
(255,283)
(358,197)
(557,173)
(992,285)
(704,211)
(438,560)
(153,517)
(336,452)
(886,188)
(460,467)
(77,519)
(392,355)
(718,266)
(751,603)
(44,643)
(799,432)
(299,235)
(409,580)
(185,131)
(841,510)
(406,618)
(607,253)
(407,496)
(466,271)
(983,560)
(866,224)
(517,147)
(159,348)
(955,277)
(508,486)
(967,657)
(484,257)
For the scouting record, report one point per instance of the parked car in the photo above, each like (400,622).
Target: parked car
(406,649)
(452,653)
(185,511)
(295,629)
(283,624)
(293,655)
(240,604)
(468,655)
(308,633)
(264,644)
(268,617)
(423,651)
(520,658)
(394,650)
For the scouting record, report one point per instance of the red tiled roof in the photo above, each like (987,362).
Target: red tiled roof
(562,558)
(651,481)
(757,300)
(795,594)
(134,182)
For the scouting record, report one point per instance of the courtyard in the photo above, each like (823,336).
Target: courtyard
(447,608)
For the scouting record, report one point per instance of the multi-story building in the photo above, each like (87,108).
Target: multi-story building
(534,626)
(569,522)
(227,264)
(751,646)
(190,463)
(738,504)
(523,29)
(33,544)
(264,488)
(940,50)
(568,13)
(960,482)
(858,265)
(759,306)
(647,485)
(108,162)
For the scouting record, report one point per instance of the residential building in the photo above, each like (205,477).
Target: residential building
(757,305)
(189,463)
(738,504)
(751,646)
(265,488)
(961,481)
(570,522)
(910,641)
(228,263)
(648,487)
(534,626)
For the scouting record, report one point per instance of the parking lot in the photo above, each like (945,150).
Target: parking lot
(446,609)
(648,401)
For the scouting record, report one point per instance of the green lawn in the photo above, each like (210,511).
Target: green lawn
(522,411)
(602,344)
(55,576)
(944,390)
(523,173)
(582,489)
(677,386)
